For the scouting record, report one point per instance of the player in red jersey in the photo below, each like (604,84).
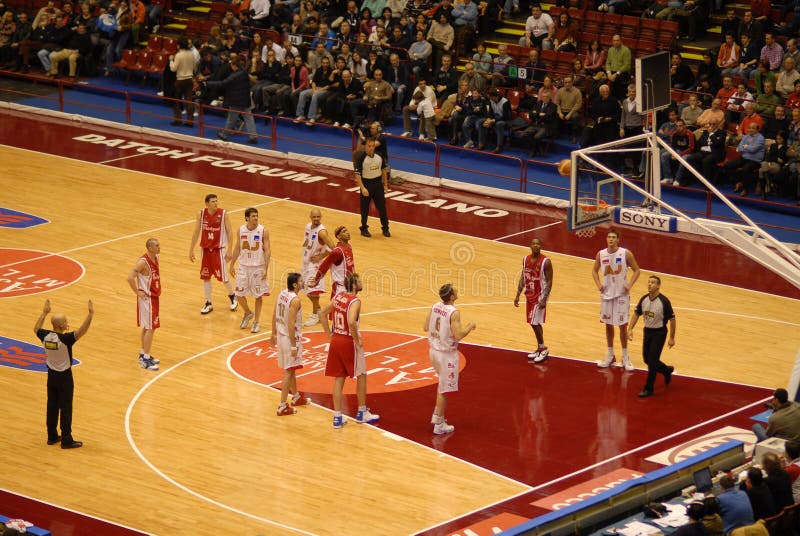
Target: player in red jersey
(213,228)
(537,281)
(145,281)
(340,261)
(346,350)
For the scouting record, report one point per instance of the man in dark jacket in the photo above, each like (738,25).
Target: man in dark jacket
(544,122)
(348,91)
(709,151)
(78,46)
(236,89)
(499,117)
(445,80)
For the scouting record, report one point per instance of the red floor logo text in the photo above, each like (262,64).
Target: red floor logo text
(395,362)
(24,272)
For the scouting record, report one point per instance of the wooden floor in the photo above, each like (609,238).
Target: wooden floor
(193,447)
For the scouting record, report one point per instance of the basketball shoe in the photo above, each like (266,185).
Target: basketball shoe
(207,308)
(606,362)
(286,410)
(153,359)
(246,320)
(339,421)
(299,400)
(364,416)
(234,302)
(627,365)
(313,320)
(443,428)
(542,354)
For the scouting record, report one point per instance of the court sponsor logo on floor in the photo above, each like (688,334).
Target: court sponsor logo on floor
(587,489)
(24,355)
(491,526)
(19,220)
(24,272)
(395,362)
(704,443)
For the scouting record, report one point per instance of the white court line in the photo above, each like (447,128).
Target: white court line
(415,226)
(621,455)
(653,443)
(437,452)
(169,479)
(132,235)
(58,506)
(528,231)
(121,158)
(366,354)
(350,213)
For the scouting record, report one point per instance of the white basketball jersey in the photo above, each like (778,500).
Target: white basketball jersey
(440,336)
(251,243)
(282,318)
(614,272)
(312,246)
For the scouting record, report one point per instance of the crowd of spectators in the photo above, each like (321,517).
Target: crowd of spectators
(84,34)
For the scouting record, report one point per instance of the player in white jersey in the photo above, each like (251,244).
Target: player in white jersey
(252,249)
(443,325)
(316,245)
(287,338)
(610,272)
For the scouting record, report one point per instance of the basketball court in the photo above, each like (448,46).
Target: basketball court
(197,446)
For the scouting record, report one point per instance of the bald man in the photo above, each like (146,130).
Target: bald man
(316,245)
(58,344)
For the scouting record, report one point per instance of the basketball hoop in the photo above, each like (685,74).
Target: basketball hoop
(588,208)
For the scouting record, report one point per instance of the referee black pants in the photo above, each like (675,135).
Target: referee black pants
(60,388)
(375,194)
(654,339)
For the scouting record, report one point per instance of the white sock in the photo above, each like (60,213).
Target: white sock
(625,354)
(362,408)
(207,289)
(228,287)
(146,356)
(337,413)
(610,351)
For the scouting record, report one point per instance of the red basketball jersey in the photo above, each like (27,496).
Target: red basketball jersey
(212,229)
(341,308)
(153,281)
(533,271)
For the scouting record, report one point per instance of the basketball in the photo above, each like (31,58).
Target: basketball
(565,167)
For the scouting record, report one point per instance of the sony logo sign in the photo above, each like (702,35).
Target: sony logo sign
(646,220)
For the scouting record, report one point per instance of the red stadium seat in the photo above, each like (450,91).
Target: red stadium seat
(170,46)
(154,43)
(130,58)
(514,96)
(548,57)
(592,21)
(649,29)
(156,68)
(630,27)
(644,47)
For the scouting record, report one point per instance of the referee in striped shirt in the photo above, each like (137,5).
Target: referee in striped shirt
(372,176)
(657,312)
